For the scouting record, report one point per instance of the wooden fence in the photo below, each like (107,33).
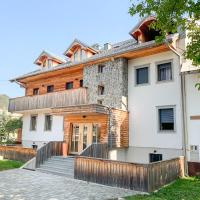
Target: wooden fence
(17,153)
(47,151)
(141,177)
(98,150)
(194,168)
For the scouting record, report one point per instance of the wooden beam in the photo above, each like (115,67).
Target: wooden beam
(195,117)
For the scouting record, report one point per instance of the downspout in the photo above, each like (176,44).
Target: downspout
(184,115)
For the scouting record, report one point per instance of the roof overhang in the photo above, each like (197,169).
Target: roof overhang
(44,54)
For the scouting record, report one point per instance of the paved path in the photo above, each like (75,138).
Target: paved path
(20,184)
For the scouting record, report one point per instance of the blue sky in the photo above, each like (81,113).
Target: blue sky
(28,27)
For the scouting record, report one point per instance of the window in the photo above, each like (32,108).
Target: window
(33,123)
(69,85)
(166,119)
(83,54)
(76,56)
(95,133)
(50,88)
(48,123)
(155,157)
(100,90)
(100,68)
(100,102)
(35,91)
(81,83)
(164,71)
(50,63)
(142,75)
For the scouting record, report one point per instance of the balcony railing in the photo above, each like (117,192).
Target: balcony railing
(50,100)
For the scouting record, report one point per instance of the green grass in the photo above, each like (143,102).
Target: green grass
(9,164)
(182,189)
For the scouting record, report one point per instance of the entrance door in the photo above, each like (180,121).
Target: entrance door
(83,135)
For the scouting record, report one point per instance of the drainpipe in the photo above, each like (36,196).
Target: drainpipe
(110,132)
(184,115)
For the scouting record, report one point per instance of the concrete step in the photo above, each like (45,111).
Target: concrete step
(52,168)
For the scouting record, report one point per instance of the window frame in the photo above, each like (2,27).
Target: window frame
(81,83)
(36,89)
(69,82)
(47,130)
(172,70)
(30,125)
(50,86)
(158,119)
(101,68)
(101,86)
(139,67)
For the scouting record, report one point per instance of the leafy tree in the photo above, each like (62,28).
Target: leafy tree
(171,15)
(7,126)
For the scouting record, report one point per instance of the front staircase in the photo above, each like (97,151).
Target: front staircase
(58,165)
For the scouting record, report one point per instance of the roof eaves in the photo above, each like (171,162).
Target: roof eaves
(110,53)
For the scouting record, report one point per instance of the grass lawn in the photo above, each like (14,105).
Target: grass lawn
(9,164)
(182,189)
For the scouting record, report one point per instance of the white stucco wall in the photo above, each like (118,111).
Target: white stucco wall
(40,136)
(193,108)
(144,100)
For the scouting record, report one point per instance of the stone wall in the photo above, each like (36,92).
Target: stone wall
(114,78)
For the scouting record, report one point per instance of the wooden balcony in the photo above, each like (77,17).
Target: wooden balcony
(51,100)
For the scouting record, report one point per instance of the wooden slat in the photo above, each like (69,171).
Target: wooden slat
(50,100)
(142,177)
(17,153)
(47,151)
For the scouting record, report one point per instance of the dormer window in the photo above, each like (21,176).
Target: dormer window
(50,63)
(76,56)
(83,54)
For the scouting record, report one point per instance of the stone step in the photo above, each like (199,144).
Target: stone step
(56,168)
(59,173)
(63,166)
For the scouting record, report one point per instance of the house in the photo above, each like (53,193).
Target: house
(136,95)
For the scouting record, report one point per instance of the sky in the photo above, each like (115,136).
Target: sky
(29,27)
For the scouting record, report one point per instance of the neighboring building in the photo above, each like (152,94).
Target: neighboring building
(136,95)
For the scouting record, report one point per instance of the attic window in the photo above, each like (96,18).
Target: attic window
(143,32)
(76,56)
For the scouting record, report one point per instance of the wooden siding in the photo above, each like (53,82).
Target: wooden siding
(50,100)
(101,119)
(141,177)
(58,81)
(17,153)
(120,134)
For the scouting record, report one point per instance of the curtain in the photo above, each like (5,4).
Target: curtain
(164,72)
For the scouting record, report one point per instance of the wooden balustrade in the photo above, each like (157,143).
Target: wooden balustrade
(96,150)
(51,100)
(47,151)
(141,177)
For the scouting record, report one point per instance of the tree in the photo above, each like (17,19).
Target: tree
(12,125)
(171,15)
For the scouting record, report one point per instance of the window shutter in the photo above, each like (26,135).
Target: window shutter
(167,115)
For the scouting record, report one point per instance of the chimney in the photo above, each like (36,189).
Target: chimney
(96,46)
(107,46)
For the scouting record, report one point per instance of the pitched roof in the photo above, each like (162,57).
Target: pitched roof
(51,55)
(118,48)
(76,41)
(141,22)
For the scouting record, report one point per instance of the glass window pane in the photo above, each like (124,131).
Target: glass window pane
(142,75)
(164,72)
(166,119)
(48,122)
